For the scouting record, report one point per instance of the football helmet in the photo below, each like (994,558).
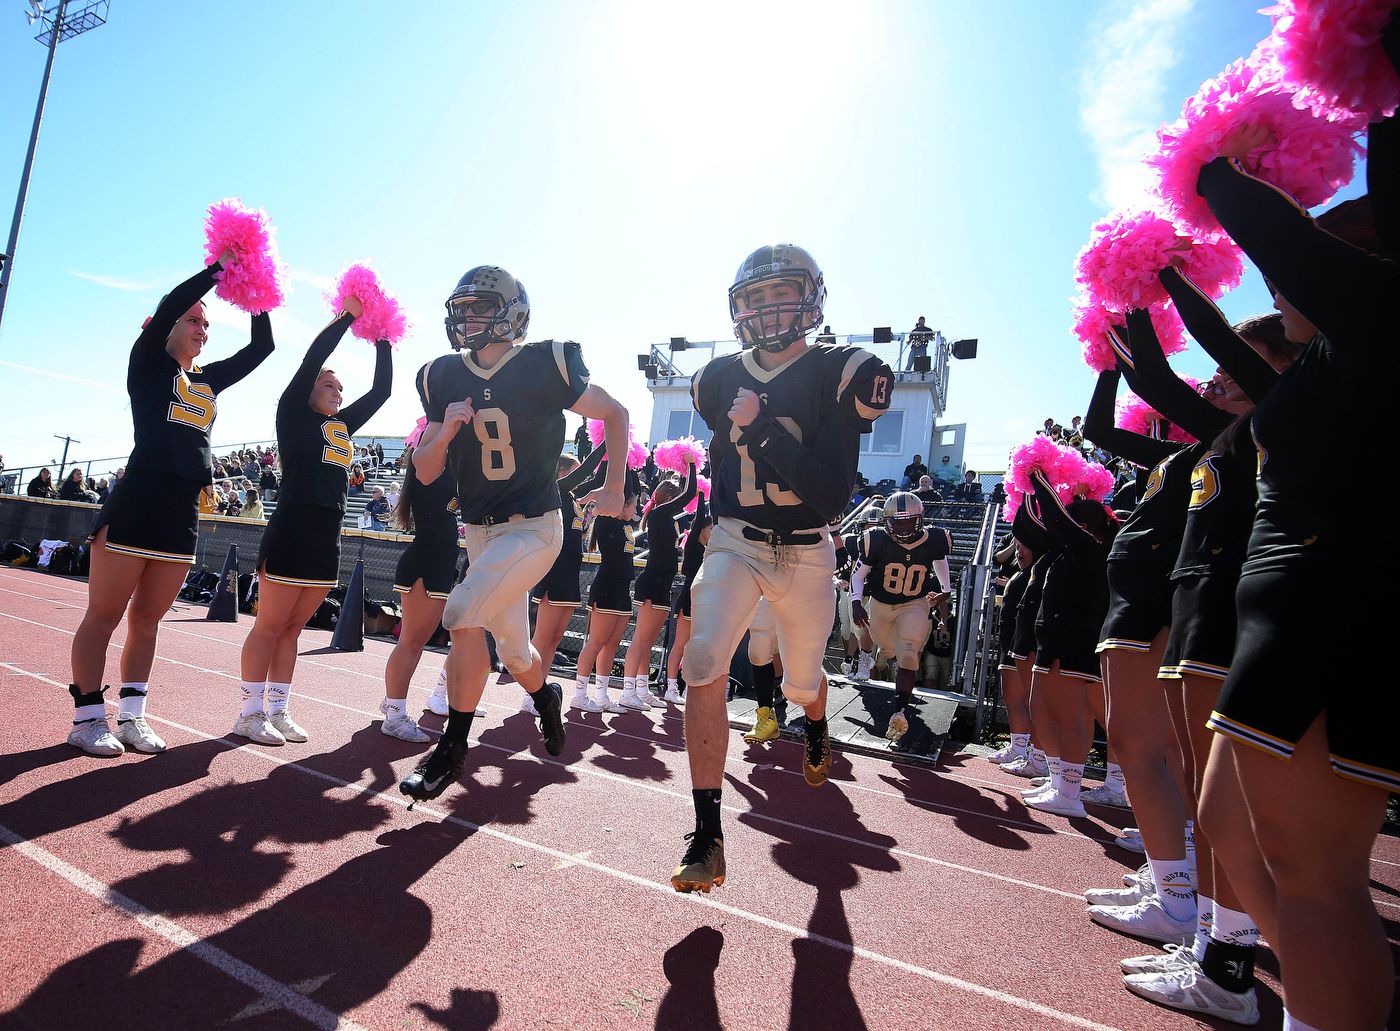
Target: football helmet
(904,516)
(771,325)
(488,306)
(872,516)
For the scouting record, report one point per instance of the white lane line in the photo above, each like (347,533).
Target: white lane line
(629,782)
(664,890)
(274,992)
(1005,790)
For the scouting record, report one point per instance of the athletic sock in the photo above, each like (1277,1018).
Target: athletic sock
(1205,917)
(398,705)
(629,685)
(1039,757)
(131,702)
(544,699)
(672,686)
(1115,780)
(1191,848)
(581,685)
(1071,777)
(1173,882)
(277,697)
(252,697)
(1229,966)
(1055,764)
(904,683)
(707,812)
(764,677)
(1292,1023)
(87,705)
(815,728)
(1021,742)
(459,725)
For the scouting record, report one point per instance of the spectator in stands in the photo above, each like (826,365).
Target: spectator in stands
(378,453)
(233,503)
(998,496)
(970,490)
(649,469)
(269,457)
(919,337)
(103,489)
(252,506)
(926,491)
(913,471)
(947,473)
(357,479)
(267,483)
(378,510)
(582,445)
(1049,427)
(826,337)
(250,466)
(42,485)
(76,489)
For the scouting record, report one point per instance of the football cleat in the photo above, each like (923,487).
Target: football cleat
(765,726)
(438,769)
(816,758)
(702,866)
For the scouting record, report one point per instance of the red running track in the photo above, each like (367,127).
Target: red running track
(235,885)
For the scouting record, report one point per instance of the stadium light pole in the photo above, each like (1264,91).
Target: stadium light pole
(58,25)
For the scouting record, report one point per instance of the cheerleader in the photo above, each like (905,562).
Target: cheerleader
(653,591)
(1302,767)
(143,541)
(299,560)
(1072,607)
(1027,542)
(425,575)
(692,555)
(609,601)
(558,594)
(1043,550)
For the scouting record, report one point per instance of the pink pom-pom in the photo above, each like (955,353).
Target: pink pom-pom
(1118,267)
(636,454)
(1039,454)
(416,434)
(1013,504)
(672,455)
(381,318)
(1094,482)
(1137,416)
(253,279)
(702,490)
(596,432)
(1330,51)
(1309,158)
(1092,322)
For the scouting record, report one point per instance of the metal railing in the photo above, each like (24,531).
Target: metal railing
(975,646)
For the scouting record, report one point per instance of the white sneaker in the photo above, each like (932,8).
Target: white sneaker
(846,667)
(1105,795)
(1146,919)
(864,668)
(1129,896)
(95,738)
(1143,874)
(136,734)
(480,711)
(1028,766)
(437,703)
(256,728)
(673,695)
(287,727)
(631,700)
(1158,962)
(399,724)
(1186,987)
(606,703)
(1131,842)
(1057,805)
(645,695)
(1007,754)
(584,702)
(1039,786)
(527,704)
(899,726)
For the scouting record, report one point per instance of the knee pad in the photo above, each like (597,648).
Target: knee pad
(698,662)
(516,660)
(801,696)
(458,612)
(908,658)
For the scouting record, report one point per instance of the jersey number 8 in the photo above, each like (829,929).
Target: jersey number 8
(497,456)
(907,581)
(750,494)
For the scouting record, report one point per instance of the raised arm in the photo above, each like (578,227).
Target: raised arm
(150,342)
(570,482)
(674,507)
(1163,389)
(1059,525)
(298,391)
(358,413)
(1212,330)
(1099,427)
(224,374)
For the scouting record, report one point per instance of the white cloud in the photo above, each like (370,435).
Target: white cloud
(1122,83)
(64,377)
(123,283)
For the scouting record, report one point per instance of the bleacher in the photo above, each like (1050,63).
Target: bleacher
(385,476)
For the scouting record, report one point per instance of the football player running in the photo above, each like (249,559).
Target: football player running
(787,418)
(495,412)
(895,568)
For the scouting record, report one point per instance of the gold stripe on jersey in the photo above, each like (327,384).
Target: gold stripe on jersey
(763,375)
(1120,347)
(695,387)
(427,393)
(1364,773)
(853,364)
(150,553)
(1247,735)
(561,360)
(292,581)
(477,370)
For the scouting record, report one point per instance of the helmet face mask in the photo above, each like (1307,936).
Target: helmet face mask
(488,306)
(904,516)
(777,297)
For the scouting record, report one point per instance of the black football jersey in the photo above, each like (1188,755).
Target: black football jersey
(1152,533)
(315,449)
(506,459)
(793,468)
(902,572)
(172,410)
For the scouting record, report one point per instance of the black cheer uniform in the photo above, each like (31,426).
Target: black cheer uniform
(1074,598)
(506,461)
(654,584)
(1305,560)
(794,466)
(301,545)
(432,554)
(611,589)
(154,511)
(560,585)
(692,555)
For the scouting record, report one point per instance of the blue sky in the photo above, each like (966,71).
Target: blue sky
(942,159)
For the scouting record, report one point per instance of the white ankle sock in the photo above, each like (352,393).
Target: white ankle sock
(399,705)
(1292,1023)
(581,685)
(673,685)
(1173,882)
(1231,927)
(277,697)
(1038,756)
(629,685)
(1020,742)
(1056,766)
(83,713)
(1115,778)
(132,706)
(252,697)
(1071,776)
(1205,919)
